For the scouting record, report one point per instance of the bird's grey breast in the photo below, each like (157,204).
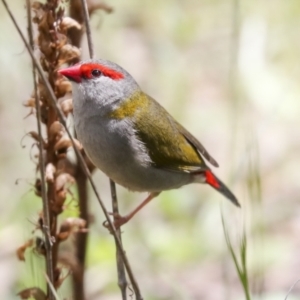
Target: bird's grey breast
(111,144)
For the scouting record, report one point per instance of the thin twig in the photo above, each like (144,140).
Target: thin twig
(77,151)
(81,239)
(122,281)
(290,290)
(46,208)
(88,27)
(52,288)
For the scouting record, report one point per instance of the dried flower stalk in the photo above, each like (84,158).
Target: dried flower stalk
(52,29)
(45,87)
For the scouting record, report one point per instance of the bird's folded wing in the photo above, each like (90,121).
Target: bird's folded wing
(170,146)
(197,145)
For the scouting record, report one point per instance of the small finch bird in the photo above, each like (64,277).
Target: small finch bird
(132,138)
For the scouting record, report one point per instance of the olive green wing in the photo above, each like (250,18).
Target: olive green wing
(170,146)
(197,145)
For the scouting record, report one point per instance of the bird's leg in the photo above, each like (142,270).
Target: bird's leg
(121,220)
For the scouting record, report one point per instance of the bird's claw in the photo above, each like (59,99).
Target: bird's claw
(118,221)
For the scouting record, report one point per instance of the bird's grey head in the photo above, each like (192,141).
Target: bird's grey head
(100,82)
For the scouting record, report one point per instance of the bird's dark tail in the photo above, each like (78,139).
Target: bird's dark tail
(218,185)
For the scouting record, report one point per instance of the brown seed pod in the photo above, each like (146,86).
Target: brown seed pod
(44,27)
(68,23)
(21,250)
(63,181)
(32,293)
(69,226)
(67,106)
(44,63)
(57,206)
(50,172)
(43,93)
(29,103)
(37,6)
(60,41)
(56,130)
(64,143)
(44,113)
(68,53)
(65,165)
(62,87)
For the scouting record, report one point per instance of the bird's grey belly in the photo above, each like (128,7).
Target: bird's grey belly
(114,148)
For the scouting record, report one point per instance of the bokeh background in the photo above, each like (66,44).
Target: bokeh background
(229,71)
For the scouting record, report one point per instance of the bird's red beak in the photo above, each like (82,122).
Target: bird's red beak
(72,73)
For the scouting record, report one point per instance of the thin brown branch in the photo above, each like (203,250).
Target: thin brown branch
(88,27)
(81,237)
(75,35)
(77,151)
(46,208)
(122,281)
(120,251)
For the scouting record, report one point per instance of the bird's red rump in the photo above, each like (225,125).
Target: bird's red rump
(86,71)
(211,179)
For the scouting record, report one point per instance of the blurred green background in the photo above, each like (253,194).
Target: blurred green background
(229,71)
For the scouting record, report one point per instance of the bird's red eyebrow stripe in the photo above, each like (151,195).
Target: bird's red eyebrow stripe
(86,71)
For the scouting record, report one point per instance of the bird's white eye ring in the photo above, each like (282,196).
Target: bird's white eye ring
(96,73)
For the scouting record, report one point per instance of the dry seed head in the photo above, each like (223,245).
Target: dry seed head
(64,165)
(38,7)
(21,250)
(64,143)
(69,226)
(62,180)
(32,293)
(43,93)
(57,206)
(78,224)
(67,106)
(44,26)
(30,103)
(62,87)
(68,23)
(50,172)
(60,41)
(56,131)
(68,53)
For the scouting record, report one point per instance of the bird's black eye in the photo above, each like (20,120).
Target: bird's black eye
(96,73)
